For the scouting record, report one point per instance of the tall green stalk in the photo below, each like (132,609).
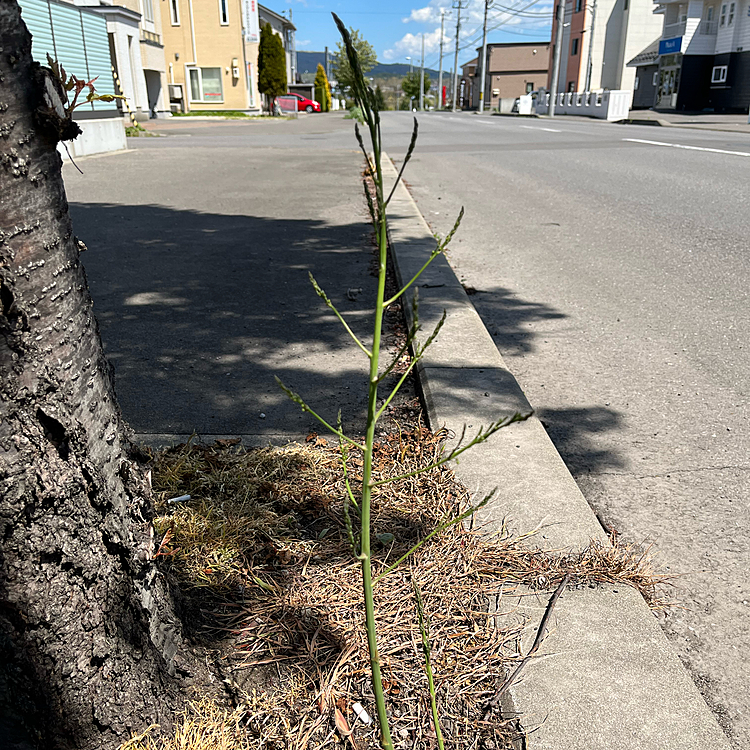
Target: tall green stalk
(361,542)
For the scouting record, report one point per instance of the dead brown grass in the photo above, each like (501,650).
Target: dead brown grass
(265,532)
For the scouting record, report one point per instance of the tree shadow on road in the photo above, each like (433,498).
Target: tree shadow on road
(577,433)
(509,318)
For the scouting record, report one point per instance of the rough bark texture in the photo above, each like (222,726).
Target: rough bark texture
(89,645)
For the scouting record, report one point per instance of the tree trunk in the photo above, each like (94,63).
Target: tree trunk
(89,646)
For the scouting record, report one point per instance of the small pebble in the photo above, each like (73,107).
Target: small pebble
(262,415)
(403,733)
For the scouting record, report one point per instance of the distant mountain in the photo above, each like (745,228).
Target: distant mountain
(307,62)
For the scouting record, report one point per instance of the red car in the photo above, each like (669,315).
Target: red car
(305,105)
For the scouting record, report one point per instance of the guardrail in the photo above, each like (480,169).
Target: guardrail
(605,105)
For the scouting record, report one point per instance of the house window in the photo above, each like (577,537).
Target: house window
(174,12)
(655,80)
(719,74)
(579,6)
(571,86)
(710,13)
(148,10)
(636,83)
(529,86)
(574,47)
(205,85)
(223,13)
(723,17)
(730,20)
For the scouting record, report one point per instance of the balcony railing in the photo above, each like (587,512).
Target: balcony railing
(150,38)
(672,30)
(708,28)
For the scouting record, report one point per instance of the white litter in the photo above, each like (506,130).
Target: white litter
(362,715)
(180,499)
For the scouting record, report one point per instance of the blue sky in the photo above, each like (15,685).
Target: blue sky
(395,27)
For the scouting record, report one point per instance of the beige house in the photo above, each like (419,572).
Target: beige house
(513,69)
(211,54)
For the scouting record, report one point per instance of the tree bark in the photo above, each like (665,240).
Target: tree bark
(90,649)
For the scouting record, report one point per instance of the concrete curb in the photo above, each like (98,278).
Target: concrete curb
(606,677)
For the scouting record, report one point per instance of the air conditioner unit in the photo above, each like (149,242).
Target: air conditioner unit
(175,91)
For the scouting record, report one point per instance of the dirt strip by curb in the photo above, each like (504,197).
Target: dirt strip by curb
(606,677)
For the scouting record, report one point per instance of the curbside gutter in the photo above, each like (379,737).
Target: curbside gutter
(605,678)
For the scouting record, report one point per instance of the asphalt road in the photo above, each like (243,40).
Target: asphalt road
(610,265)
(612,273)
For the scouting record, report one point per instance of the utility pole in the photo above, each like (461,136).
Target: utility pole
(487,4)
(421,80)
(458,5)
(327,65)
(557,56)
(293,51)
(591,48)
(440,74)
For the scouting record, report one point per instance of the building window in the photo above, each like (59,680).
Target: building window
(710,13)
(730,20)
(223,13)
(636,83)
(574,47)
(174,12)
(205,85)
(571,86)
(579,6)
(719,74)
(723,17)
(148,10)
(655,81)
(529,86)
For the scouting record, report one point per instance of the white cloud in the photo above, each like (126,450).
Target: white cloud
(303,42)
(536,17)
(411,45)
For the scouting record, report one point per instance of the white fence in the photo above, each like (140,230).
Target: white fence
(606,105)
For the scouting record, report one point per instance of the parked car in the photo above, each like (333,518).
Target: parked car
(305,105)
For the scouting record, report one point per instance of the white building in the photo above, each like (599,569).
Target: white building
(599,38)
(703,56)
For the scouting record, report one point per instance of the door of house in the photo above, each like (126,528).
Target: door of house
(669,84)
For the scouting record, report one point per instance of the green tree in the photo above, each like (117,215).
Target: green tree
(410,84)
(271,66)
(379,99)
(322,89)
(342,71)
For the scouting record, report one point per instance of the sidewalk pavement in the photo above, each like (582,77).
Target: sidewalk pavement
(198,267)
(697,121)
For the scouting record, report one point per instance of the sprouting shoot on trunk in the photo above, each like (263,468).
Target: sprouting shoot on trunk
(360,537)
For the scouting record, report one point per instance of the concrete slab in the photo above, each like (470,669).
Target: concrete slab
(607,677)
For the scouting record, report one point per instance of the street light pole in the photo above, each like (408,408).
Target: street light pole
(458,5)
(421,80)
(557,56)
(591,48)
(440,73)
(487,4)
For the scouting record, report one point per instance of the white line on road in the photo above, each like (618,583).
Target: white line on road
(690,148)
(536,127)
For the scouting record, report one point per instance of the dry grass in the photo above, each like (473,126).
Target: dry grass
(204,726)
(265,533)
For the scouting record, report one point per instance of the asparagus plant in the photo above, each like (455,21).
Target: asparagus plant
(360,539)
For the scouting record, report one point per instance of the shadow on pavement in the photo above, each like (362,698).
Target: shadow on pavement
(507,317)
(199,311)
(577,432)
